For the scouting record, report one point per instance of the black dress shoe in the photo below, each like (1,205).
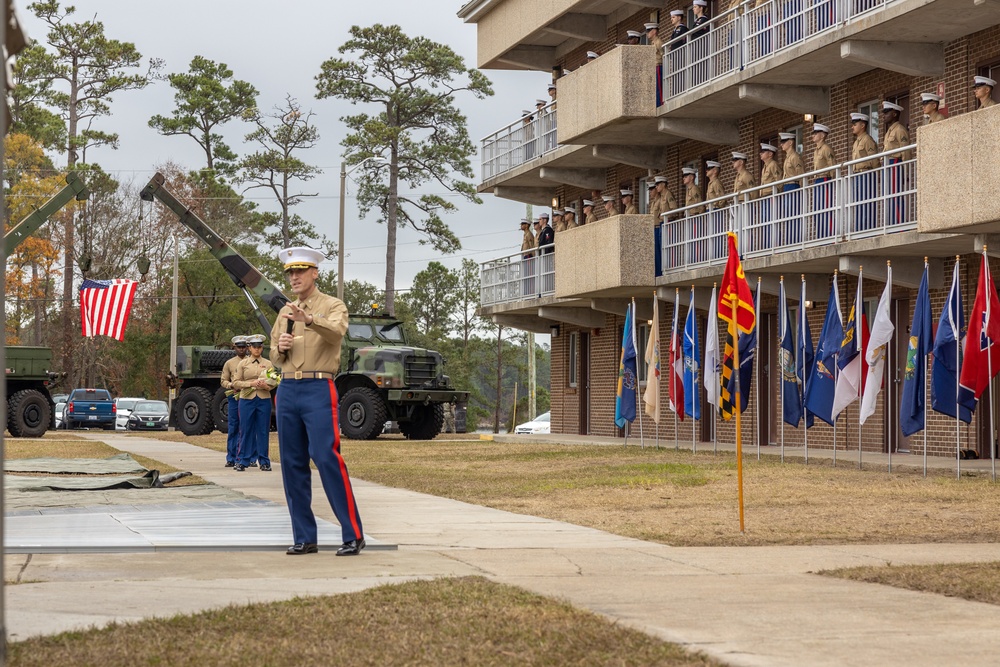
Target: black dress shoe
(302,548)
(230,464)
(253,465)
(239,467)
(352,548)
(265,468)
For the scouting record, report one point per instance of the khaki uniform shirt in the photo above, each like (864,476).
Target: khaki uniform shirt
(692,195)
(669,201)
(658,43)
(528,242)
(988,102)
(631,210)
(249,371)
(823,157)
(934,117)
(864,146)
(793,165)
(897,137)
(569,222)
(317,346)
(744,181)
(228,370)
(654,206)
(715,190)
(770,173)
(558,225)
(590,218)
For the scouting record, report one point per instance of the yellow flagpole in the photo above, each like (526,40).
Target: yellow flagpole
(739,437)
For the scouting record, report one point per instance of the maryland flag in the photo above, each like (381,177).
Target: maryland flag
(735,290)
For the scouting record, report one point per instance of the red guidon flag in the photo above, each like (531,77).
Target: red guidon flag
(104,307)
(736,290)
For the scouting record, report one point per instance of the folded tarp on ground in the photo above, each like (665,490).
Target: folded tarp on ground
(119,464)
(81,483)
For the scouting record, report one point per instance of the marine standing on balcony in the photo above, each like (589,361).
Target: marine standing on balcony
(309,358)
(717,218)
(982,87)
(527,238)
(233,397)
(588,212)
(743,179)
(930,103)
(633,37)
(863,180)
(770,172)
(668,202)
(609,205)
(791,200)
(692,193)
(527,135)
(823,158)
(557,220)
(552,94)
(569,217)
(591,55)
(651,196)
(546,237)
(628,204)
(700,49)
(896,136)
(653,37)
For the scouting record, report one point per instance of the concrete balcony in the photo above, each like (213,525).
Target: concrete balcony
(612,257)
(958,174)
(534,35)
(611,100)
(787,53)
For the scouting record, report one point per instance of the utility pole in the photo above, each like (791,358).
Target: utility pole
(532,401)
(173,332)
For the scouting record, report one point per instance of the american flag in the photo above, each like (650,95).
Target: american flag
(105,305)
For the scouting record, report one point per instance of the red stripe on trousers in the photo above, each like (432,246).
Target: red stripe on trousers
(348,491)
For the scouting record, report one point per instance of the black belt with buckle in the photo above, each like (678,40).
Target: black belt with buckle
(307,375)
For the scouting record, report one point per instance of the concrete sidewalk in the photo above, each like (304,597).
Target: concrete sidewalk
(744,606)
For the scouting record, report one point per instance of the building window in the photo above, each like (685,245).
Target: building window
(573,358)
(642,197)
(871,109)
(641,338)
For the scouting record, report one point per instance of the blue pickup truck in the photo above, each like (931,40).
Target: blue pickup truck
(90,407)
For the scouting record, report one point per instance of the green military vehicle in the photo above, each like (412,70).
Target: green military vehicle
(381,379)
(28,370)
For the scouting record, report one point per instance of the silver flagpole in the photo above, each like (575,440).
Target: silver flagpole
(694,377)
(756,370)
(924,362)
(638,398)
(989,367)
(673,377)
(659,363)
(836,375)
(805,371)
(783,321)
(954,328)
(859,330)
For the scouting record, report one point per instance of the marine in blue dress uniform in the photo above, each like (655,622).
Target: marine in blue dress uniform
(308,427)
(250,378)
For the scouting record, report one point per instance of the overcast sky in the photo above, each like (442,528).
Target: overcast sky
(279,49)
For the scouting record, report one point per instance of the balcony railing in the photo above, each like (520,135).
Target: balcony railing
(746,34)
(520,142)
(529,274)
(823,207)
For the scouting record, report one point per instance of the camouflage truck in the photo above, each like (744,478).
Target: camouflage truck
(28,370)
(381,378)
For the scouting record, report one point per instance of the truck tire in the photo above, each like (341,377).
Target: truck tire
(194,411)
(220,410)
(29,414)
(362,414)
(426,422)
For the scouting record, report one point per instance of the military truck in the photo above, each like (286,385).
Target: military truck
(28,372)
(381,379)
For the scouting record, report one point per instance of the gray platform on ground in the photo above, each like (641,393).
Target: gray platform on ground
(233,526)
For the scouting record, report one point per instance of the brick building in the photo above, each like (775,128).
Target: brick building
(761,68)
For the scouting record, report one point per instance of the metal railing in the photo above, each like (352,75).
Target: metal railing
(528,274)
(846,202)
(746,34)
(520,142)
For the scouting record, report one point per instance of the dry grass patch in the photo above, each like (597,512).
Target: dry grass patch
(467,621)
(680,498)
(979,582)
(61,448)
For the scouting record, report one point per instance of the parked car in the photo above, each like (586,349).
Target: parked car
(148,416)
(59,415)
(125,407)
(90,407)
(541,424)
(60,398)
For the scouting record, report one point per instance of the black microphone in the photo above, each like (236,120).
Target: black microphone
(289,325)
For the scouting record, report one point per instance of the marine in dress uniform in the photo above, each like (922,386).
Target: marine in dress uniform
(823,194)
(628,203)
(863,185)
(676,56)
(591,55)
(717,217)
(527,238)
(557,220)
(527,135)
(791,198)
(232,398)
(527,258)
(697,225)
(588,212)
(610,206)
(653,37)
(254,405)
(931,103)
(743,179)
(308,425)
(699,50)
(569,217)
(692,193)
(633,37)
(770,172)
(896,136)
(982,87)
(547,236)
